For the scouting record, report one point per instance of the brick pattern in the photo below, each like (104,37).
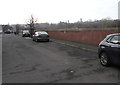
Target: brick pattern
(86,37)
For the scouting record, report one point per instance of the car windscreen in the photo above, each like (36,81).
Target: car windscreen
(25,32)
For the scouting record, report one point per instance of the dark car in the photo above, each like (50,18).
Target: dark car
(109,50)
(26,34)
(40,36)
(7,31)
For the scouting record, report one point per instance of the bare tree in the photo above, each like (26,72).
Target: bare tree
(31,22)
(17,29)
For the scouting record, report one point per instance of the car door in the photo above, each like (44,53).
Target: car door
(114,48)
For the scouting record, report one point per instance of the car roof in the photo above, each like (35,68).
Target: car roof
(40,31)
(113,34)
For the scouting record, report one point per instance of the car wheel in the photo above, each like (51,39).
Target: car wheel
(36,40)
(104,59)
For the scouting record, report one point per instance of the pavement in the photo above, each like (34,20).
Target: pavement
(85,47)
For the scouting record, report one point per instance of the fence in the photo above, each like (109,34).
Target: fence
(86,37)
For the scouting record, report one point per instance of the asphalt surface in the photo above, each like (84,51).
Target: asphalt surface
(25,61)
(85,47)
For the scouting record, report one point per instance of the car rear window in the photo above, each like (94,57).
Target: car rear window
(115,39)
(108,39)
(43,33)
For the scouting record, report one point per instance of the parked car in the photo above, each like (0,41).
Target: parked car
(41,36)
(25,33)
(7,31)
(109,50)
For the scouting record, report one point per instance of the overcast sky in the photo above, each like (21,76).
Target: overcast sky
(53,11)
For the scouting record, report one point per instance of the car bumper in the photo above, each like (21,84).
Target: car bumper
(43,39)
(26,35)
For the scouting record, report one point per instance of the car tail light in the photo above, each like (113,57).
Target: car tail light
(100,44)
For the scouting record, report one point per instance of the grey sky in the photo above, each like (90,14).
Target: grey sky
(53,11)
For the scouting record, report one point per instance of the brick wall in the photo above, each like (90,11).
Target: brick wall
(86,37)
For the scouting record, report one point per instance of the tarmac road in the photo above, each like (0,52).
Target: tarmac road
(25,61)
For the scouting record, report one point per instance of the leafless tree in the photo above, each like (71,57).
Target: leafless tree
(31,22)
(17,29)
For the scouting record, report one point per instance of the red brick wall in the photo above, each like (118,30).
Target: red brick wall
(86,37)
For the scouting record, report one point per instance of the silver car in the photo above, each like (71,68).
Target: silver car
(41,36)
